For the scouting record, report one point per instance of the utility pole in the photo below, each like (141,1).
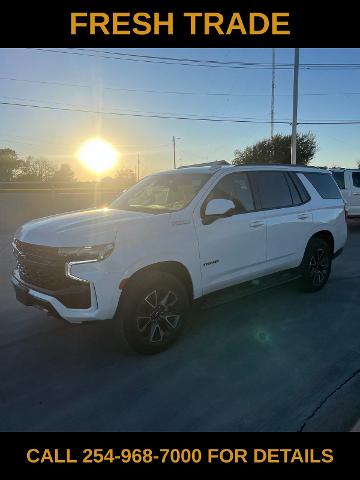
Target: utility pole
(174,151)
(138,167)
(273,93)
(295,106)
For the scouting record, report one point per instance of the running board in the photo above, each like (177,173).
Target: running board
(248,288)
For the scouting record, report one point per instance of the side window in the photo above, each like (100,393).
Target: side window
(356,179)
(235,187)
(324,184)
(304,194)
(272,190)
(294,191)
(339,179)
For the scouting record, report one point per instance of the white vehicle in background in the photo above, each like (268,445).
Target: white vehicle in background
(177,236)
(348,181)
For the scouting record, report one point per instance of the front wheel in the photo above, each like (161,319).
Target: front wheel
(316,265)
(153,311)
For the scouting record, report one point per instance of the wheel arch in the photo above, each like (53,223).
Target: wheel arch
(324,235)
(173,267)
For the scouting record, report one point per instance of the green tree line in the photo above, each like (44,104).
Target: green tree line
(15,169)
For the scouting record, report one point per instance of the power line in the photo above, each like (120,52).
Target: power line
(161,60)
(198,62)
(141,115)
(178,59)
(173,92)
(32,141)
(225,63)
(182,117)
(36,101)
(43,82)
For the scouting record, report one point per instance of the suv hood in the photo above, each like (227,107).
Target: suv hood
(84,227)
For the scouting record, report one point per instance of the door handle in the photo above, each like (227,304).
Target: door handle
(303,216)
(256,224)
(356,193)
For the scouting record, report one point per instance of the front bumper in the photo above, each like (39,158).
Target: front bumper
(29,298)
(104,298)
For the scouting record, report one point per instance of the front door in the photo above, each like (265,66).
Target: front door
(232,249)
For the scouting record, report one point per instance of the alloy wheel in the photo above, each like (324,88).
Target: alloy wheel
(319,266)
(158,316)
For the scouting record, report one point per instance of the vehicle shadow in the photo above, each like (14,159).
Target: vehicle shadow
(354,225)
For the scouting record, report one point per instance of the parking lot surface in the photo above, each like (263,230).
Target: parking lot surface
(278,360)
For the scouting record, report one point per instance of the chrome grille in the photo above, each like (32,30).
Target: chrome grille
(41,267)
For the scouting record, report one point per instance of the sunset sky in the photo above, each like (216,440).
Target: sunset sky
(84,80)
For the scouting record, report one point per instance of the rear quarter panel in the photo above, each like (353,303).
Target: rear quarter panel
(328,215)
(331,217)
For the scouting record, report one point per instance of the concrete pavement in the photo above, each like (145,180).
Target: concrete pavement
(279,360)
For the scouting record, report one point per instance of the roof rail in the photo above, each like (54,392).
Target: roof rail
(297,165)
(218,163)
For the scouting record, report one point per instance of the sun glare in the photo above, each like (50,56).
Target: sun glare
(98,155)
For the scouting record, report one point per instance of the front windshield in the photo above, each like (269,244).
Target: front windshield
(161,193)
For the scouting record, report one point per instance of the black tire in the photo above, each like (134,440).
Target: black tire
(152,312)
(316,265)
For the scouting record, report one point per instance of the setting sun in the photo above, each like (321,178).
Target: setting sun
(98,155)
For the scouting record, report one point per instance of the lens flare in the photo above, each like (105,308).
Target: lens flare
(98,155)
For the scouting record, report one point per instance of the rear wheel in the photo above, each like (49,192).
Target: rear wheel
(316,265)
(153,311)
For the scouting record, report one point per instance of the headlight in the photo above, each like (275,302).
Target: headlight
(95,253)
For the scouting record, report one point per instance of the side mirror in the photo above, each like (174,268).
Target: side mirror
(218,207)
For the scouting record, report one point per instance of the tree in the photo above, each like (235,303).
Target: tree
(64,174)
(278,150)
(9,162)
(35,170)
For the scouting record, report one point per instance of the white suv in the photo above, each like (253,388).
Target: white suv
(177,236)
(348,182)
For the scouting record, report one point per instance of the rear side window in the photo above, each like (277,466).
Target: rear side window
(305,197)
(339,179)
(294,191)
(324,184)
(272,190)
(356,179)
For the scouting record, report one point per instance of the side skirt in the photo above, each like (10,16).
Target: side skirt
(248,288)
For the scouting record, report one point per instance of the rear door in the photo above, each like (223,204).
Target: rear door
(289,219)
(354,204)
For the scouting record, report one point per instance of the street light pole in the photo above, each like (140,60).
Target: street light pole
(295,106)
(174,151)
(273,93)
